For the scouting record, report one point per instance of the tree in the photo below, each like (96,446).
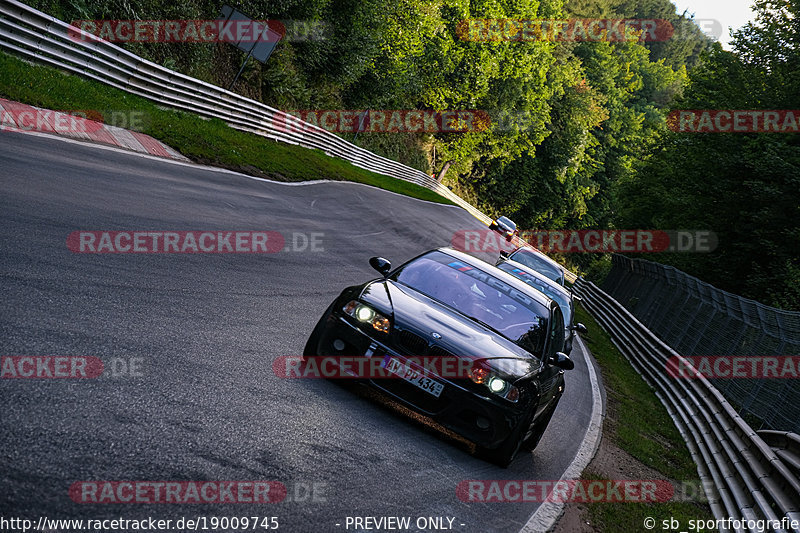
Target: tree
(742,186)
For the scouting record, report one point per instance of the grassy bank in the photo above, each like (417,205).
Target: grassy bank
(209,142)
(639,424)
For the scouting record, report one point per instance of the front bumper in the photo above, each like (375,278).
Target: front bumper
(485,420)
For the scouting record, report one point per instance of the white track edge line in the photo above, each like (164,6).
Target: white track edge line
(548,513)
(225,170)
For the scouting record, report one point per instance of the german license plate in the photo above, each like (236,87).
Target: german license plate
(416,378)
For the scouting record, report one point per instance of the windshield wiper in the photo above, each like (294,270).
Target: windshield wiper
(518,342)
(487,326)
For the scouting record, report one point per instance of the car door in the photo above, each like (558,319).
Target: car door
(551,377)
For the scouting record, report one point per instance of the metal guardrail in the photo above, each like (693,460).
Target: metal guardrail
(786,445)
(40,38)
(743,476)
(697,319)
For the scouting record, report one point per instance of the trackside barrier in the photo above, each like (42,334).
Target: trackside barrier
(697,319)
(744,476)
(786,445)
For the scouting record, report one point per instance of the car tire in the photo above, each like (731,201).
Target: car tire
(504,454)
(310,349)
(537,430)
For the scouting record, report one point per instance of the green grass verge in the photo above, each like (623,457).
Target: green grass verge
(209,142)
(639,424)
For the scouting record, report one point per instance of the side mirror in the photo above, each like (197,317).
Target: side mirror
(381,265)
(505,255)
(562,361)
(580,328)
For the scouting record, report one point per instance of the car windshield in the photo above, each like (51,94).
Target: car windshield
(537,263)
(557,295)
(480,296)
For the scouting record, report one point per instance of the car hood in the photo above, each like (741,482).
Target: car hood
(414,311)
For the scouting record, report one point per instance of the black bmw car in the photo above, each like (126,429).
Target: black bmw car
(448,305)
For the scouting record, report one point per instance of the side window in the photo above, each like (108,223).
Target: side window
(556,333)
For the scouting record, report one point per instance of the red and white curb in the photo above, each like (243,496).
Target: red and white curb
(15,116)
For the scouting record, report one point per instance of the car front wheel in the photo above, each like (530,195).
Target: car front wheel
(537,430)
(312,344)
(504,454)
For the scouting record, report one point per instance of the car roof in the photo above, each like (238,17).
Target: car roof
(537,253)
(505,277)
(539,277)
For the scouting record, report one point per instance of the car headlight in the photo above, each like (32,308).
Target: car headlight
(495,384)
(367,315)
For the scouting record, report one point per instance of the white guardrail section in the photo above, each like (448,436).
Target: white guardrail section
(40,38)
(744,476)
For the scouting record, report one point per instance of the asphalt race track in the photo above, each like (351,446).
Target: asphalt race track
(203,331)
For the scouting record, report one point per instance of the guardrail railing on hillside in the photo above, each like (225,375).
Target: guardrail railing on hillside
(697,319)
(744,477)
(786,445)
(40,38)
